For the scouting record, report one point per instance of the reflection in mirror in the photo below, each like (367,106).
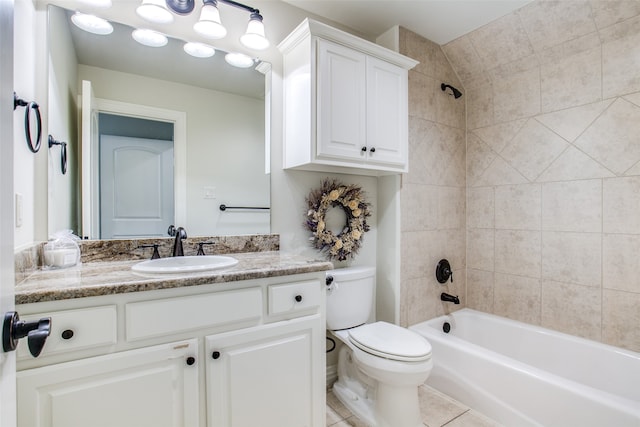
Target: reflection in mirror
(217,113)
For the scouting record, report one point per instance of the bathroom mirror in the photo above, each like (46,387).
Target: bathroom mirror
(217,116)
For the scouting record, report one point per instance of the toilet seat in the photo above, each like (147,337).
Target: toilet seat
(391,342)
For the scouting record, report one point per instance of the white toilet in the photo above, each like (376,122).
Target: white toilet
(381,365)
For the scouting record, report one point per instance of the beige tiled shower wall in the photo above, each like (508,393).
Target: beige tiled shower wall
(433,192)
(552,170)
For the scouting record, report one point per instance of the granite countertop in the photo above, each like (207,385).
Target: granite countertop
(105,278)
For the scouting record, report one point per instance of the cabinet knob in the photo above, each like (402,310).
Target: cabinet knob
(372,149)
(215,355)
(364,148)
(191,360)
(67,334)
(298,298)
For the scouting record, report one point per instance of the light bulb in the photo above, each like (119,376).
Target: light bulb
(149,38)
(199,50)
(209,24)
(254,37)
(97,3)
(239,60)
(92,23)
(154,11)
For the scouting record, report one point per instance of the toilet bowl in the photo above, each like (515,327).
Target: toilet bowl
(380,365)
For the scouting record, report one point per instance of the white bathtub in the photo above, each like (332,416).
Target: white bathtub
(523,375)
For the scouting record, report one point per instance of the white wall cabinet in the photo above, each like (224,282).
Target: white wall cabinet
(345,103)
(250,353)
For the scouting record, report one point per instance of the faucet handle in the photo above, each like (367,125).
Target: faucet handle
(156,254)
(201,247)
(443,271)
(171,231)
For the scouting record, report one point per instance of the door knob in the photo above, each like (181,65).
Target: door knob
(36,332)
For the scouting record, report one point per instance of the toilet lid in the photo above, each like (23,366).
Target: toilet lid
(390,341)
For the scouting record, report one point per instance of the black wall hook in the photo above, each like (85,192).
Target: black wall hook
(63,153)
(17,102)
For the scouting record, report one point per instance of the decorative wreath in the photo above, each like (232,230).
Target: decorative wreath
(351,199)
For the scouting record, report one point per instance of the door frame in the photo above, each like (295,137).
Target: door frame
(179,120)
(7,278)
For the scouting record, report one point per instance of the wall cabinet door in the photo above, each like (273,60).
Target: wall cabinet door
(341,92)
(387,113)
(266,376)
(154,386)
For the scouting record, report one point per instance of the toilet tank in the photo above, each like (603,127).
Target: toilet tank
(350,297)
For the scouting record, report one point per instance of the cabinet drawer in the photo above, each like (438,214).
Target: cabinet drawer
(293,297)
(167,316)
(75,330)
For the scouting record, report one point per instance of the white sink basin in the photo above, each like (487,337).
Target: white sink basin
(184,264)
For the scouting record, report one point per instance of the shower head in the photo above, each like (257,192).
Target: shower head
(455,92)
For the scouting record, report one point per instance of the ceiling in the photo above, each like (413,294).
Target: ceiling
(437,20)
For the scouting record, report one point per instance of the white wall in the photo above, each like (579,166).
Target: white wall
(63,126)
(29,168)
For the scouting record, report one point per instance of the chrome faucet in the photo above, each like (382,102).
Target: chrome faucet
(180,234)
(449,298)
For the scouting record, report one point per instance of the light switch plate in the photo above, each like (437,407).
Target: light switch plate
(19,208)
(209,192)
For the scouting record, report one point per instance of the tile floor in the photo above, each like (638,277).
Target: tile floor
(437,410)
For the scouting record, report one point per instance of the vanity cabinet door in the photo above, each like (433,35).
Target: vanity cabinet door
(268,376)
(154,386)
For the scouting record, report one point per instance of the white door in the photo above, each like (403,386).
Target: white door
(7,360)
(136,187)
(341,102)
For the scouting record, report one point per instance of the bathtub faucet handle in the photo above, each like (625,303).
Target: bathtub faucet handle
(444,271)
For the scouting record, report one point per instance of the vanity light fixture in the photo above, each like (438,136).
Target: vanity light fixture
(154,11)
(199,50)
(209,25)
(239,60)
(92,23)
(149,38)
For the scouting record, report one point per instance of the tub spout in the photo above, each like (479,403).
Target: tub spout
(449,298)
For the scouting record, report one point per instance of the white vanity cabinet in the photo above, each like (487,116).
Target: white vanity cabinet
(346,103)
(239,354)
